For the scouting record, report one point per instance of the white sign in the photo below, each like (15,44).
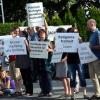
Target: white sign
(15,46)
(35,14)
(66,42)
(56,57)
(52,30)
(1,45)
(38,49)
(85,53)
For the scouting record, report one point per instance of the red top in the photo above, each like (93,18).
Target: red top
(12,58)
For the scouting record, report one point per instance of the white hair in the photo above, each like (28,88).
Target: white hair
(91,21)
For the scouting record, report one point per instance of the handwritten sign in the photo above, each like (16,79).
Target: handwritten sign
(35,14)
(52,30)
(15,46)
(38,49)
(66,42)
(56,57)
(85,53)
(1,45)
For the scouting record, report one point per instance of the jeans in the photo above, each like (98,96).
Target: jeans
(9,91)
(45,81)
(27,80)
(72,68)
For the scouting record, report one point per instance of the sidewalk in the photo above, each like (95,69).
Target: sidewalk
(57,90)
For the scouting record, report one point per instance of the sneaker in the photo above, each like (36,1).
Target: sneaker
(1,93)
(49,94)
(28,95)
(94,97)
(18,93)
(76,91)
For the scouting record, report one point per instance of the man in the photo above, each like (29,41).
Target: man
(94,67)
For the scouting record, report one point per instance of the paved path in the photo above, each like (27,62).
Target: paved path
(57,90)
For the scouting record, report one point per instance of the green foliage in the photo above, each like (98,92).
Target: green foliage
(68,18)
(95,14)
(56,20)
(7,27)
(81,23)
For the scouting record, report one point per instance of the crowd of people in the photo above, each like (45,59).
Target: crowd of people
(24,71)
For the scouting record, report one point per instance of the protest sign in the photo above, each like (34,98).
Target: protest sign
(52,30)
(38,49)
(66,42)
(2,42)
(35,14)
(85,53)
(15,46)
(1,46)
(56,57)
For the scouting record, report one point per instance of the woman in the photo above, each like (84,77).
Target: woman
(74,65)
(7,84)
(23,63)
(44,69)
(61,70)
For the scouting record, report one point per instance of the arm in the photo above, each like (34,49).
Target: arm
(97,47)
(7,84)
(27,44)
(50,49)
(64,59)
(45,23)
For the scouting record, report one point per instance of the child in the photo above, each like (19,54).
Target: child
(7,86)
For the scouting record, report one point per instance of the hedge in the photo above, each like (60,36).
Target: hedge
(7,27)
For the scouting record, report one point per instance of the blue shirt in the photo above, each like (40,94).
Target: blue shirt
(35,37)
(94,41)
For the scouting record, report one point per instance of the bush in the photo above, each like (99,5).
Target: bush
(95,14)
(81,23)
(68,18)
(7,27)
(56,20)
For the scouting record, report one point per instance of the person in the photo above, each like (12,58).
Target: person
(33,36)
(73,66)
(23,63)
(44,69)
(34,61)
(30,33)
(61,70)
(7,84)
(94,67)
(15,72)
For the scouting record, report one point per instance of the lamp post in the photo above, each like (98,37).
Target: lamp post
(1,4)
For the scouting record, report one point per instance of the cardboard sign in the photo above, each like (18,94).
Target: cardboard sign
(52,30)
(35,14)
(85,53)
(38,49)
(15,46)
(1,45)
(66,42)
(56,57)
